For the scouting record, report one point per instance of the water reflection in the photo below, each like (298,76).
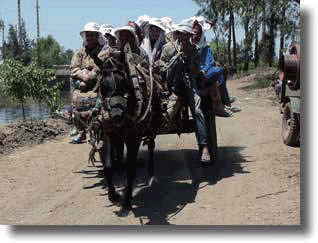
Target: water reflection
(12,112)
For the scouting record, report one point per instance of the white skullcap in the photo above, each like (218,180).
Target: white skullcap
(91,27)
(183,28)
(144,20)
(131,29)
(202,21)
(107,29)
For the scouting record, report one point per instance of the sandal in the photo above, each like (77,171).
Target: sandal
(80,138)
(76,140)
(232,99)
(223,112)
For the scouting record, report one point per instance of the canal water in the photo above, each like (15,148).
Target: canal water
(10,112)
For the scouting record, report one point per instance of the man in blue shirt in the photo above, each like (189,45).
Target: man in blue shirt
(212,74)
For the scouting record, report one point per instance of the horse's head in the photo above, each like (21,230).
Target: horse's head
(114,87)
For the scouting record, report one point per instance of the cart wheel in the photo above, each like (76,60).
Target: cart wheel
(290,126)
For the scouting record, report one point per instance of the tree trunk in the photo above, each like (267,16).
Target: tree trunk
(281,43)
(217,43)
(23,113)
(256,51)
(271,36)
(246,44)
(264,34)
(229,47)
(224,54)
(234,41)
(217,46)
(282,33)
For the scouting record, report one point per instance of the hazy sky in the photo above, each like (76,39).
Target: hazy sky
(64,19)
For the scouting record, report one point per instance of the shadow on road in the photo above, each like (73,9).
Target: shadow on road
(174,189)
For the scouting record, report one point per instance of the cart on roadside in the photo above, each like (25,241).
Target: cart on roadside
(290,98)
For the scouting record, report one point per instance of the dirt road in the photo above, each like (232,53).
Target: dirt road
(256,182)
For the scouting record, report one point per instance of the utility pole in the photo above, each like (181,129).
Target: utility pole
(2,29)
(38,30)
(19,23)
(38,19)
(3,47)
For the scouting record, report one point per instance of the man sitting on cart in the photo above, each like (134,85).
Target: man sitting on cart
(179,65)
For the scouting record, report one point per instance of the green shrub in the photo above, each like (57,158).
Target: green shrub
(21,82)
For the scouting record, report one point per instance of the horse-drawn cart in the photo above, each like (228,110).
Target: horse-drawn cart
(134,110)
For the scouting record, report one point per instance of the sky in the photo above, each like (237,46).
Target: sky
(64,19)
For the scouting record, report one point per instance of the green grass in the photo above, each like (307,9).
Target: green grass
(263,79)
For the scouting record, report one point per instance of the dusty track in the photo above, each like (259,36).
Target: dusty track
(257,180)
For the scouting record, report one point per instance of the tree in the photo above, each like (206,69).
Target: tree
(20,82)
(219,49)
(212,9)
(50,52)
(288,19)
(1,24)
(26,45)
(275,16)
(18,51)
(249,12)
(12,85)
(66,56)
(12,45)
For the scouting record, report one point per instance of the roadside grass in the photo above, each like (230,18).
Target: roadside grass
(264,78)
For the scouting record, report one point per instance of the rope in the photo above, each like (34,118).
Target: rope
(150,97)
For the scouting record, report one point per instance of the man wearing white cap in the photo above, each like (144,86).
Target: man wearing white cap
(154,30)
(84,73)
(108,33)
(212,74)
(179,64)
(127,34)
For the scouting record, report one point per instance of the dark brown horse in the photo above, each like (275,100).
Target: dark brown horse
(129,114)
(131,111)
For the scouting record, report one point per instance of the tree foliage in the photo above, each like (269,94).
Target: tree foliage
(49,52)
(1,24)
(280,18)
(46,51)
(219,49)
(26,70)
(18,50)
(21,82)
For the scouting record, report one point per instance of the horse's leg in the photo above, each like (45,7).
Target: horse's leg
(212,135)
(150,163)
(106,157)
(118,153)
(91,156)
(133,144)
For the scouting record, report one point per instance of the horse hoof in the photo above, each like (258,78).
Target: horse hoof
(124,211)
(113,196)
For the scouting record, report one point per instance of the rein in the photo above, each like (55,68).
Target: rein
(133,74)
(150,97)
